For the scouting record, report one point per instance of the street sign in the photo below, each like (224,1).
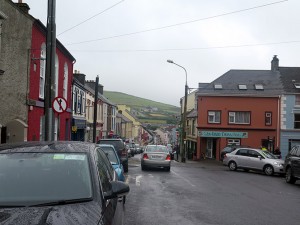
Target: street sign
(111,133)
(59,104)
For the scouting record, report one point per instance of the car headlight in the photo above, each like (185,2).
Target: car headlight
(277,163)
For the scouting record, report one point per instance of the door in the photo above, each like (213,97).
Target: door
(254,161)
(242,158)
(209,147)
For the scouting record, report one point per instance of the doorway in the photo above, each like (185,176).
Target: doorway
(211,148)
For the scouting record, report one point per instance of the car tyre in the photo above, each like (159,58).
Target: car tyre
(289,178)
(167,169)
(269,170)
(232,166)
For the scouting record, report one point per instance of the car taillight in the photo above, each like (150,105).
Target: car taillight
(168,157)
(145,156)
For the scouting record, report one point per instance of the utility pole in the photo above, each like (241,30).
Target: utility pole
(50,72)
(95,109)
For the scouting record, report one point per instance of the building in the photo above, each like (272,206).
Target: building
(241,107)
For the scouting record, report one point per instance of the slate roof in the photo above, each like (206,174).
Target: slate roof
(289,76)
(192,114)
(230,80)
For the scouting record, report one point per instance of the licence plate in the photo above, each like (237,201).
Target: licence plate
(155,157)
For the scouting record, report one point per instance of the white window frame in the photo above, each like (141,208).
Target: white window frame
(213,117)
(268,118)
(233,142)
(65,86)
(56,75)
(234,116)
(42,71)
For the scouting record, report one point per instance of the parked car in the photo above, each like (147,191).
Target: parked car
(58,183)
(113,157)
(292,165)
(156,156)
(121,150)
(138,149)
(128,150)
(253,159)
(229,149)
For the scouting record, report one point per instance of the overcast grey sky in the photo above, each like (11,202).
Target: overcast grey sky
(206,37)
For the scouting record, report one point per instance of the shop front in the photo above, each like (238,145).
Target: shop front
(78,129)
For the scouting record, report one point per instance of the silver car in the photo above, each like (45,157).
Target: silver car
(156,156)
(253,159)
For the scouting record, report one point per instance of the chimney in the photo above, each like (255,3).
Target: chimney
(275,63)
(80,77)
(100,89)
(23,6)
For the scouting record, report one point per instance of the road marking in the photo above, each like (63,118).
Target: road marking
(137,180)
(183,178)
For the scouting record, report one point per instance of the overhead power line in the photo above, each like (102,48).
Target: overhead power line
(91,17)
(178,24)
(190,49)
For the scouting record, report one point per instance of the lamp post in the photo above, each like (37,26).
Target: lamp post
(183,120)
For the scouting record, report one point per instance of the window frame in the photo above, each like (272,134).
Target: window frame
(42,75)
(268,118)
(232,114)
(214,114)
(297,122)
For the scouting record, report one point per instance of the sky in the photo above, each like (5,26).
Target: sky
(127,42)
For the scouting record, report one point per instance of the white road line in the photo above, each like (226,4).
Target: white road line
(137,180)
(183,178)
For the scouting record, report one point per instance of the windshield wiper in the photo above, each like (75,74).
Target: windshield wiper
(62,202)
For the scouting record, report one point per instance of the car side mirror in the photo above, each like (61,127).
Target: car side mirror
(259,157)
(118,189)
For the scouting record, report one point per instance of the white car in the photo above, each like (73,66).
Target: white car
(253,159)
(156,156)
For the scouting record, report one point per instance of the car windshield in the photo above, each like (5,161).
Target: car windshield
(157,148)
(109,151)
(268,155)
(36,178)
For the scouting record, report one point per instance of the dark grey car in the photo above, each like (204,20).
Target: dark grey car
(292,165)
(58,183)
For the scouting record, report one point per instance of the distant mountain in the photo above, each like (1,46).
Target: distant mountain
(146,110)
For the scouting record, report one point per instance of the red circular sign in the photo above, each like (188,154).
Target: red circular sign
(111,133)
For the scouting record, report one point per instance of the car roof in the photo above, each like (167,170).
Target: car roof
(48,146)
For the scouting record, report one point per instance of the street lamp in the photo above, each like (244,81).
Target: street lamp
(183,120)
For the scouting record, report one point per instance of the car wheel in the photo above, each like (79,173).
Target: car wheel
(289,176)
(167,169)
(268,170)
(232,166)
(125,166)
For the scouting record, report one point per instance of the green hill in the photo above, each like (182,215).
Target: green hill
(147,111)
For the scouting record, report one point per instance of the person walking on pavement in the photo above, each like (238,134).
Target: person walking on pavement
(177,151)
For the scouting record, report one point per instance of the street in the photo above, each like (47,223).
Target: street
(206,192)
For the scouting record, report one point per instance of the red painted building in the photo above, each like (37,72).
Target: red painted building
(63,86)
(242,107)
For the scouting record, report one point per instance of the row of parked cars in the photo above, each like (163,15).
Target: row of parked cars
(247,158)
(61,182)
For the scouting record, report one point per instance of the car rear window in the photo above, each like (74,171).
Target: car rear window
(117,144)
(157,148)
(36,178)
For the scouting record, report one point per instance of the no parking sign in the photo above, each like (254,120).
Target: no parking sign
(59,104)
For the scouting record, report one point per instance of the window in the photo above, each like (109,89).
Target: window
(268,118)
(297,85)
(104,171)
(242,87)
(239,117)
(253,154)
(233,142)
(297,121)
(42,71)
(218,86)
(259,87)
(56,75)
(243,152)
(65,86)
(214,117)
(297,100)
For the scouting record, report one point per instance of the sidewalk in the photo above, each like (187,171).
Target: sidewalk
(202,162)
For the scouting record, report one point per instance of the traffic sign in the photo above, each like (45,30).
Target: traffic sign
(59,104)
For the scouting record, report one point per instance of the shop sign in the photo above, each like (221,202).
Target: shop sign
(221,134)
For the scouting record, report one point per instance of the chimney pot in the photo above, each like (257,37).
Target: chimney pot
(275,63)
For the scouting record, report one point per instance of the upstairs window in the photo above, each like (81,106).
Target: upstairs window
(297,100)
(297,121)
(268,118)
(239,117)
(65,85)
(214,117)
(242,87)
(42,71)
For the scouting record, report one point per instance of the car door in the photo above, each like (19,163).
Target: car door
(296,162)
(255,162)
(112,209)
(241,157)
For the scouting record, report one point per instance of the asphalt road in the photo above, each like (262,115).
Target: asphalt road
(206,193)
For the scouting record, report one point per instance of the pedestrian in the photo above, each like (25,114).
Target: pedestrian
(277,152)
(177,151)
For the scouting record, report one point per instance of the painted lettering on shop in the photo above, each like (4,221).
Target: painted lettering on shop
(223,134)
